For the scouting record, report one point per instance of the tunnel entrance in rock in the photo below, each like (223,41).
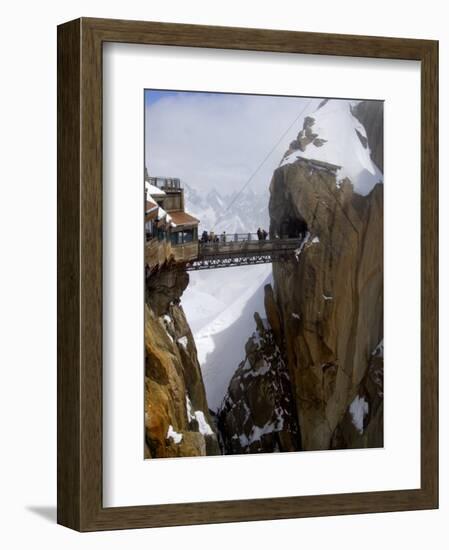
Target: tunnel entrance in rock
(293,228)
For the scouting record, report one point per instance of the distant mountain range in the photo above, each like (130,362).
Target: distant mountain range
(239,212)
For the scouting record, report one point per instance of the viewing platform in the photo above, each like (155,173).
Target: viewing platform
(171,232)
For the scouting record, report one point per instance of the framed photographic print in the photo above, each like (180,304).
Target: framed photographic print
(247,288)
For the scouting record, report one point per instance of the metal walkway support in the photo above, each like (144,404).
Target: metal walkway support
(235,253)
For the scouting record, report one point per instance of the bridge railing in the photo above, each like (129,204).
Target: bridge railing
(232,238)
(164,182)
(246,247)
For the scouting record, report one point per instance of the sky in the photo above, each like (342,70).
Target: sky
(218,140)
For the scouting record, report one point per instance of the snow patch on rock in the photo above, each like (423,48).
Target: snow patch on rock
(173,435)
(359,408)
(183,342)
(203,425)
(379,349)
(340,145)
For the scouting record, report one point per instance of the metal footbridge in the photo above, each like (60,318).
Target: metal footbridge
(240,250)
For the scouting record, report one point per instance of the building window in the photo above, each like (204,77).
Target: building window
(184,237)
(187,236)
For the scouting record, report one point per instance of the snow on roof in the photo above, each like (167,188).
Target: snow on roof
(153,190)
(161,213)
(335,123)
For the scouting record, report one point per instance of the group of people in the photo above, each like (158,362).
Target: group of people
(262,234)
(211,237)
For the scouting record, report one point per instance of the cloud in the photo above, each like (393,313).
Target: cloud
(218,140)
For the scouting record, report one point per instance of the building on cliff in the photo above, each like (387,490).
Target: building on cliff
(172,235)
(166,219)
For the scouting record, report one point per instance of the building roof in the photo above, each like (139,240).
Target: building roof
(150,205)
(153,190)
(163,216)
(151,209)
(182,218)
(150,216)
(164,182)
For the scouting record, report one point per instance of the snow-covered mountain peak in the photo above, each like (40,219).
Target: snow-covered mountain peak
(215,199)
(229,213)
(333,135)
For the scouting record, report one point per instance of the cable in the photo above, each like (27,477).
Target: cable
(248,181)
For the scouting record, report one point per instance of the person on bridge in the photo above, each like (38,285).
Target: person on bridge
(223,237)
(259,234)
(204,237)
(264,235)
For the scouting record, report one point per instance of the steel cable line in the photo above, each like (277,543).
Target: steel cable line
(248,181)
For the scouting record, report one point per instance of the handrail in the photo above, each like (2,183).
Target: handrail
(233,240)
(244,238)
(224,237)
(232,247)
(165,182)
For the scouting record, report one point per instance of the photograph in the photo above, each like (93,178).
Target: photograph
(263,258)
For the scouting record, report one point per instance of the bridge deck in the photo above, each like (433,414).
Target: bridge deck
(238,253)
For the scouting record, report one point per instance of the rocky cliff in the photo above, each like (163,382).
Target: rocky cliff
(331,298)
(323,336)
(177,418)
(311,375)
(258,412)
(370,114)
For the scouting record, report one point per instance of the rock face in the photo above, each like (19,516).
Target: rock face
(312,371)
(258,413)
(370,114)
(330,301)
(362,425)
(177,419)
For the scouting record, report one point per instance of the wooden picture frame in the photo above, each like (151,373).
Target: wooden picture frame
(80,504)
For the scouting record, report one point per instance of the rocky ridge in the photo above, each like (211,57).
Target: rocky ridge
(177,418)
(325,312)
(331,298)
(258,413)
(311,377)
